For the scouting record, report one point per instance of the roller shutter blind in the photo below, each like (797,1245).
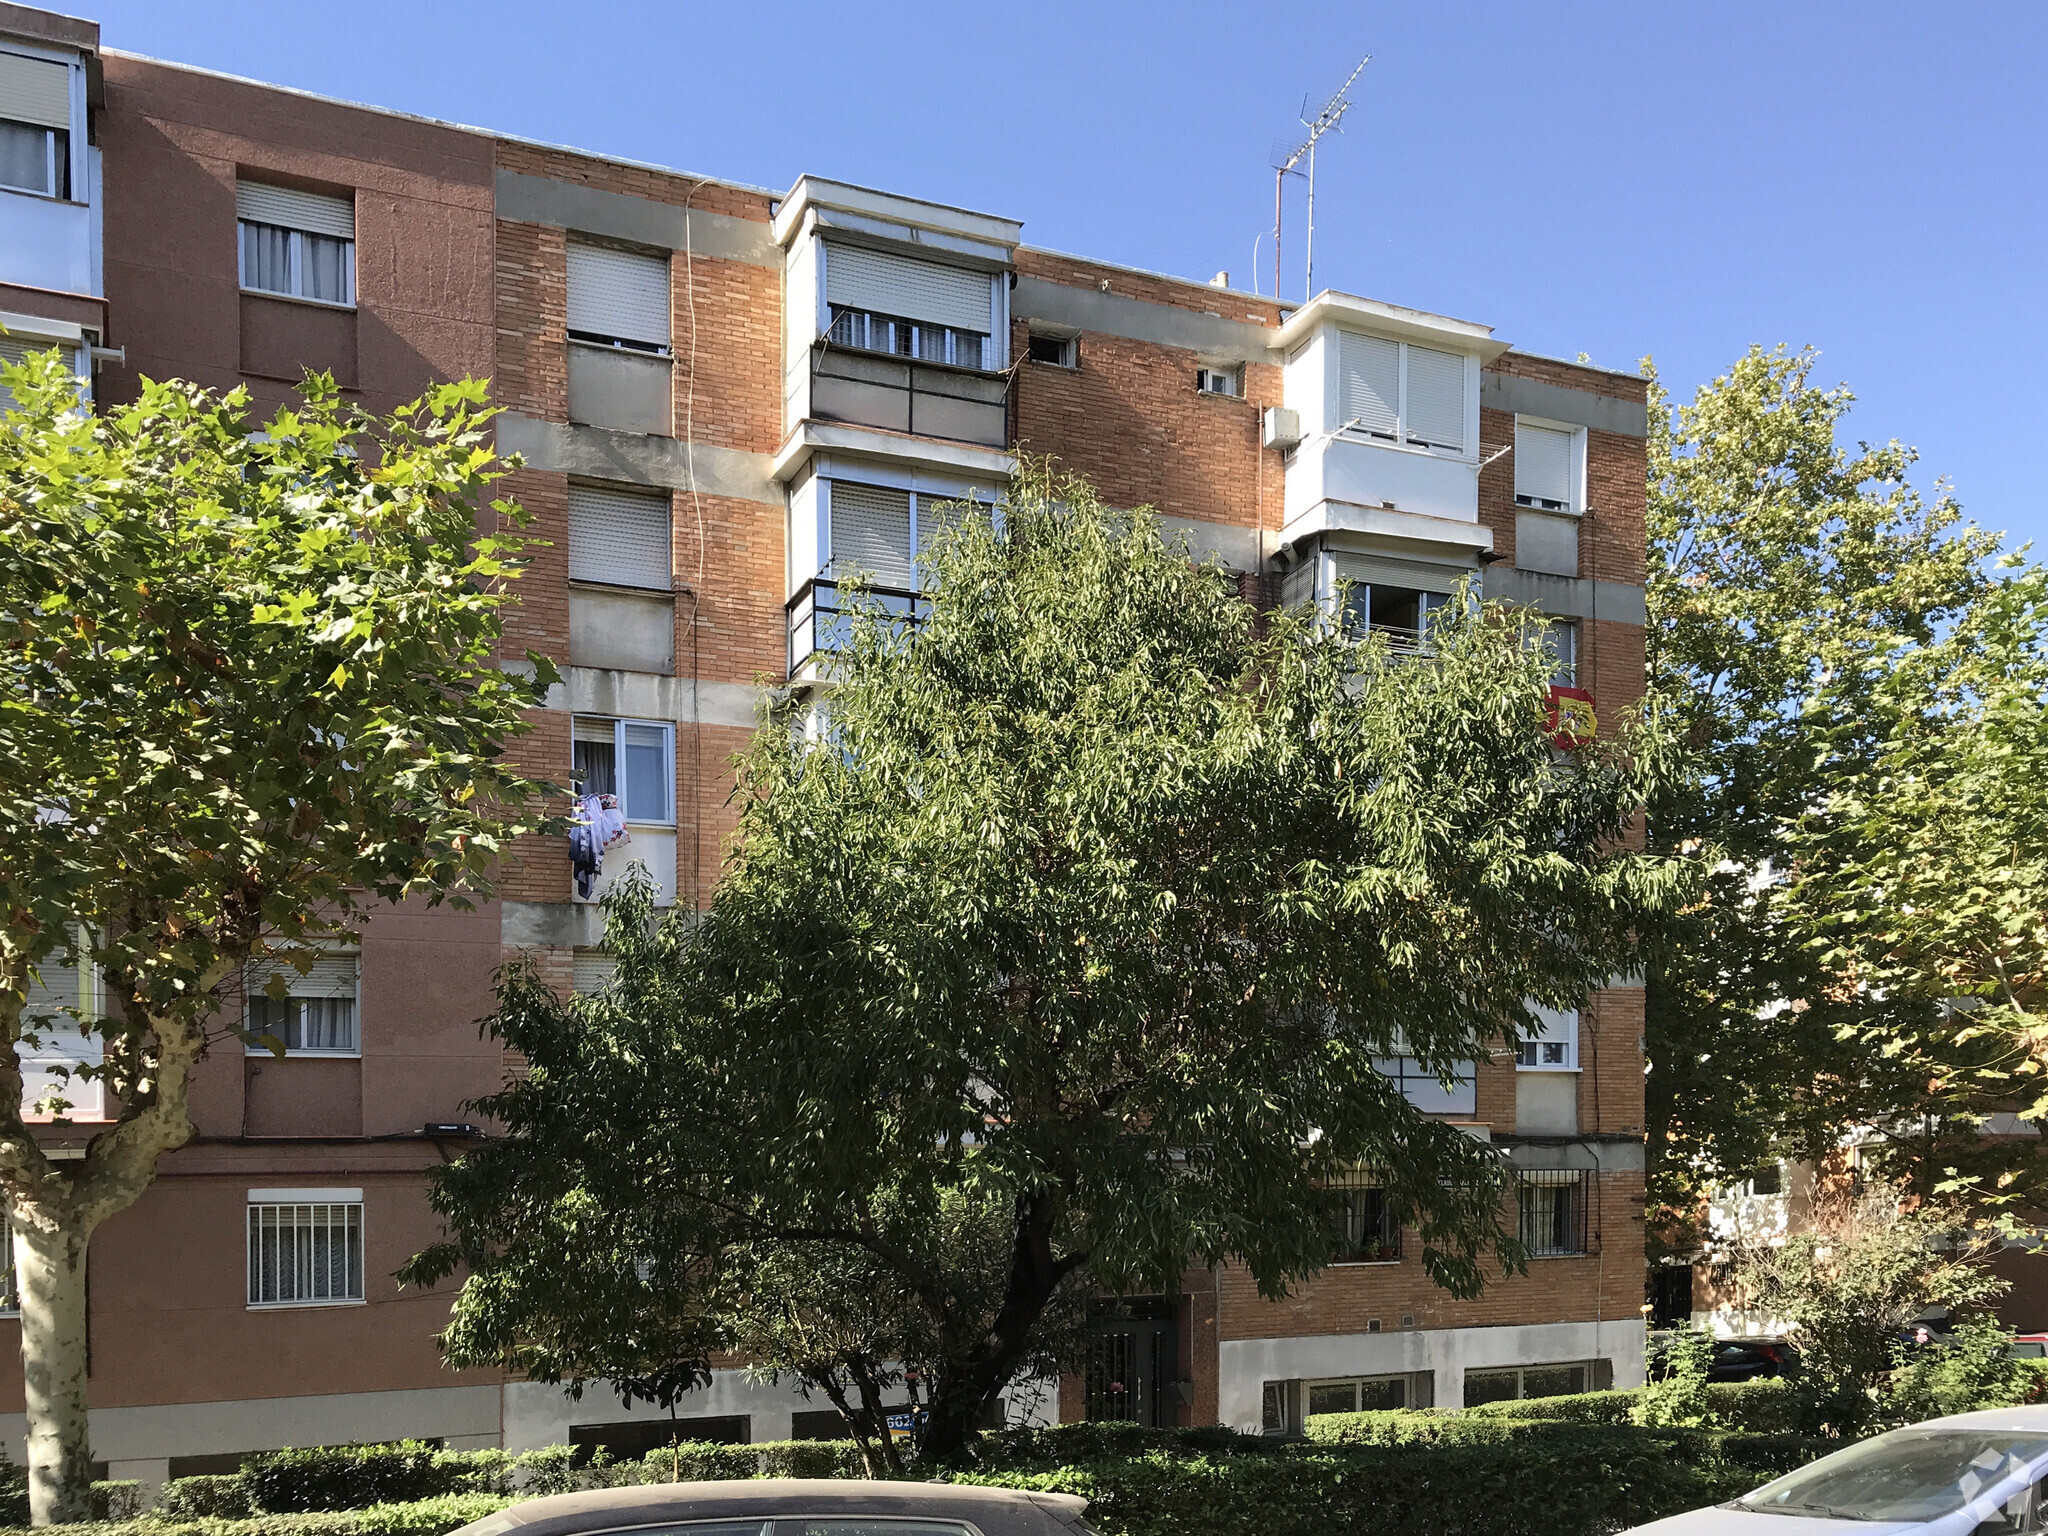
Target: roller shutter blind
(619,538)
(1369,382)
(1543,464)
(331,976)
(289,208)
(618,295)
(1411,575)
(1436,398)
(15,351)
(871,533)
(913,290)
(591,971)
(35,91)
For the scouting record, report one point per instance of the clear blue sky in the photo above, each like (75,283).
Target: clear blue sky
(1678,179)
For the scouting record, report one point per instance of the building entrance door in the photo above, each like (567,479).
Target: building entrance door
(1132,1370)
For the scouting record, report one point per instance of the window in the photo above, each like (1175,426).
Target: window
(881,531)
(1057,350)
(1220,381)
(1395,599)
(618,298)
(1527,1381)
(55,1012)
(1552,1211)
(881,302)
(1560,637)
(1367,1231)
(1400,392)
(35,125)
(1768,1180)
(317,1017)
(1420,1087)
(1357,1394)
(299,244)
(632,759)
(591,971)
(1544,463)
(619,538)
(305,1247)
(1556,1047)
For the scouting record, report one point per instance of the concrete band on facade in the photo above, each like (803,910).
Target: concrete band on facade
(636,458)
(1554,402)
(1575,597)
(524,199)
(1245,1365)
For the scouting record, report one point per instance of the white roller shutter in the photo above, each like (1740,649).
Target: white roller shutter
(1436,398)
(1369,382)
(871,533)
(289,208)
(619,538)
(619,295)
(1382,571)
(1543,464)
(16,352)
(591,971)
(912,290)
(35,91)
(330,976)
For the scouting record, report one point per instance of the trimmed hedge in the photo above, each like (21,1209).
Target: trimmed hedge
(424,1517)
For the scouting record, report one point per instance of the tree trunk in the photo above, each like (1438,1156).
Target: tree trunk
(49,1266)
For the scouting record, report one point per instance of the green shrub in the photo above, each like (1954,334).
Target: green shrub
(296,1480)
(117,1500)
(13,1492)
(1766,1406)
(223,1496)
(1061,1445)
(1576,1408)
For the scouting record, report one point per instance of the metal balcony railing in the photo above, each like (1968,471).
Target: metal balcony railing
(821,616)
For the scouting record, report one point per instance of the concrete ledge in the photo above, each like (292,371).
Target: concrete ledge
(635,459)
(1554,402)
(1114,314)
(1574,597)
(651,696)
(527,199)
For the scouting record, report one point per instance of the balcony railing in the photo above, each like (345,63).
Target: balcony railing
(821,616)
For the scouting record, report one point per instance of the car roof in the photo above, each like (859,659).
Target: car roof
(993,1511)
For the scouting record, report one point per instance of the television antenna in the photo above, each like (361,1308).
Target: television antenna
(1323,122)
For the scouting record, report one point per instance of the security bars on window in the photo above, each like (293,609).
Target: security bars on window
(1553,1206)
(906,338)
(1367,1231)
(300,1255)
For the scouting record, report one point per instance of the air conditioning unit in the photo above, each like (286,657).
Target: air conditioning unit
(1283,427)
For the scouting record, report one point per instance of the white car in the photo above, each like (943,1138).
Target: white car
(1975,1474)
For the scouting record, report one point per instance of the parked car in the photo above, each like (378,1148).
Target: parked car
(793,1507)
(1749,1359)
(2028,1346)
(1974,1474)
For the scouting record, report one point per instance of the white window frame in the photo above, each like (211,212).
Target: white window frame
(1351,432)
(1559,1028)
(1068,347)
(1576,506)
(1225,382)
(668,757)
(277,964)
(296,257)
(74,186)
(327,1199)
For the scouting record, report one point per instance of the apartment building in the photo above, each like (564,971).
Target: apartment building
(724,397)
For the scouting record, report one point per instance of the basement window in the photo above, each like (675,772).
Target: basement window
(1056,350)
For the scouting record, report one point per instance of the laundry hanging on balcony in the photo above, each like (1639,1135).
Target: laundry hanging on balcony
(598,825)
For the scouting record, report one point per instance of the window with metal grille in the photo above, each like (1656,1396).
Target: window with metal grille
(305,1247)
(1552,1215)
(298,244)
(1368,1231)
(317,1016)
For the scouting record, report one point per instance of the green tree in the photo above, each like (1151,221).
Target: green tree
(1923,874)
(1851,1286)
(1785,570)
(1094,898)
(251,692)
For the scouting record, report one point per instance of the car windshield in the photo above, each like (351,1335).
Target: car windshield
(1909,1474)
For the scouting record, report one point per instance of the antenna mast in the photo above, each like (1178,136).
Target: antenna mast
(1323,122)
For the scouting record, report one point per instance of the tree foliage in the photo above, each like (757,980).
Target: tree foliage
(250,693)
(1922,873)
(1093,900)
(1787,572)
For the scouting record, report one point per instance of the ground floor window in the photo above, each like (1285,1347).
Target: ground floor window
(305,1247)
(1510,1382)
(1357,1394)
